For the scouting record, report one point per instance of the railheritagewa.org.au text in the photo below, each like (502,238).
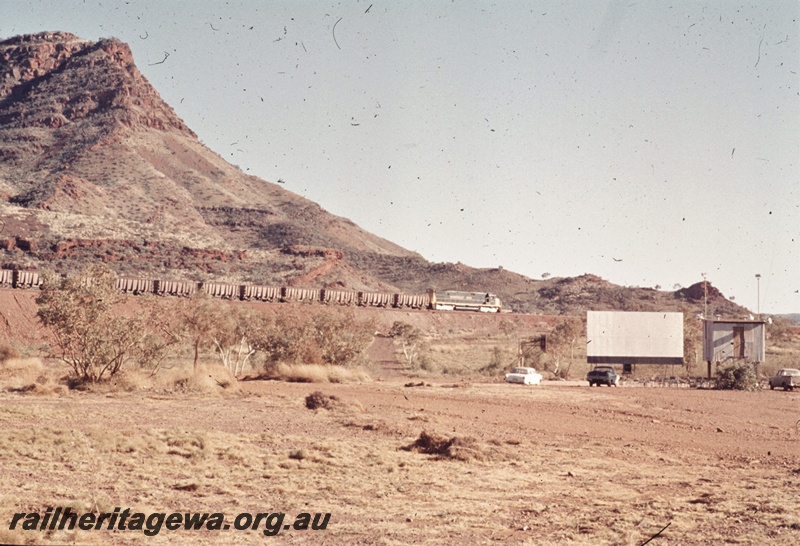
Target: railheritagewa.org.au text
(268,523)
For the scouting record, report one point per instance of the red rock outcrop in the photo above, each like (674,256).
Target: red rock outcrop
(48,75)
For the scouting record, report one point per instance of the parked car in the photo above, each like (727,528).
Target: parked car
(526,376)
(788,378)
(603,375)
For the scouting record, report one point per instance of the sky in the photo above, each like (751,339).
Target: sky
(646,142)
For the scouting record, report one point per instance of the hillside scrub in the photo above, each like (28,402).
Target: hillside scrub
(97,334)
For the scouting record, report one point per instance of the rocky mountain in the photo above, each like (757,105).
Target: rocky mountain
(94,165)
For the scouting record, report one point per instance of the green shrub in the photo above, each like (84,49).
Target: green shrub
(325,337)
(738,377)
(91,335)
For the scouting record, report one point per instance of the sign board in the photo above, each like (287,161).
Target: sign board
(621,337)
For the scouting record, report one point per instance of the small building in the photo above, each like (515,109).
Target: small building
(733,341)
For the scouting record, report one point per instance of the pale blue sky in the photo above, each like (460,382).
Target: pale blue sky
(547,137)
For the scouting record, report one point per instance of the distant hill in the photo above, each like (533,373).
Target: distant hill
(95,166)
(794,317)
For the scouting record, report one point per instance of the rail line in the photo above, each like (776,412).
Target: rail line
(447,300)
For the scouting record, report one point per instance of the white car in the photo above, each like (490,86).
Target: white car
(526,376)
(788,378)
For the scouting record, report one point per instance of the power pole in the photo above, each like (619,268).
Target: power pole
(758,296)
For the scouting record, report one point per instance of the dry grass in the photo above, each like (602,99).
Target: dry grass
(208,379)
(30,376)
(498,478)
(317,373)
(178,379)
(7,352)
(23,369)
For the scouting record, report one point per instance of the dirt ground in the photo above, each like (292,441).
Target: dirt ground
(559,463)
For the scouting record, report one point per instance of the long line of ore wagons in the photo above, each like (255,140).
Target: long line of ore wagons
(440,300)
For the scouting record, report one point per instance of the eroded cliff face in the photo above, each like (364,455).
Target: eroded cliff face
(33,56)
(69,110)
(52,79)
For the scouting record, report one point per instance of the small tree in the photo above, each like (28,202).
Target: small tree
(561,342)
(201,320)
(342,338)
(779,329)
(412,341)
(334,338)
(496,362)
(163,336)
(230,338)
(692,340)
(507,327)
(286,338)
(95,337)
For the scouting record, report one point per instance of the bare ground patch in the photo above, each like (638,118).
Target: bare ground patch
(553,465)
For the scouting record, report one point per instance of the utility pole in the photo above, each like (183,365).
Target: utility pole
(705,297)
(705,317)
(758,296)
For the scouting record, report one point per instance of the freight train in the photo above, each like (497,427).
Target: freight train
(445,300)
